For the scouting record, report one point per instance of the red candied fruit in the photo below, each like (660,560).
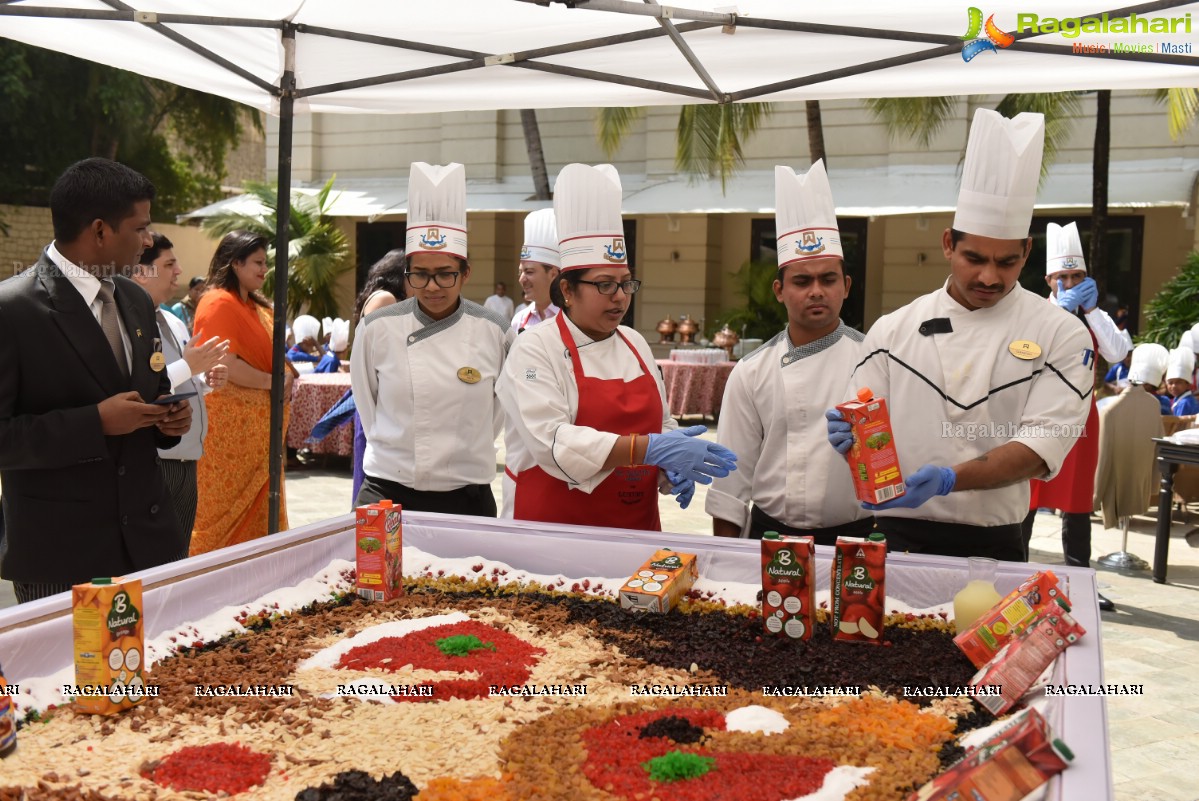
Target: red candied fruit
(215,768)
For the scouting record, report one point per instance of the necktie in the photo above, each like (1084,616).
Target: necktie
(111,326)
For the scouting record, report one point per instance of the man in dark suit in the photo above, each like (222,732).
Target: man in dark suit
(79,357)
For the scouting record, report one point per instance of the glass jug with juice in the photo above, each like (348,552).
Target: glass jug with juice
(979,594)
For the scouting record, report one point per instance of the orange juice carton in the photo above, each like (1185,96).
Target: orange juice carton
(859,588)
(872,459)
(1009,765)
(1036,595)
(378,540)
(1020,663)
(659,584)
(788,585)
(110,647)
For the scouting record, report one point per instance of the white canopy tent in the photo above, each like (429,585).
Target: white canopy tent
(408,56)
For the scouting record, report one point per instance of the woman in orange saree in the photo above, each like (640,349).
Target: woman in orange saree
(233,474)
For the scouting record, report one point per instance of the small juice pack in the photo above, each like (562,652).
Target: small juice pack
(1020,663)
(859,588)
(378,540)
(660,583)
(109,645)
(1012,763)
(1036,595)
(873,460)
(788,585)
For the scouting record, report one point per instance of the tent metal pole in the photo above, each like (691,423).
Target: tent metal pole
(287,85)
(689,54)
(9,10)
(661,12)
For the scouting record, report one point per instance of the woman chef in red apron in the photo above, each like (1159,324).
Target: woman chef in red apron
(595,438)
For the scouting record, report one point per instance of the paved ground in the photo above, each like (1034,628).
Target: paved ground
(1152,638)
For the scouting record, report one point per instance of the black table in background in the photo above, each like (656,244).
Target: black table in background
(1170,456)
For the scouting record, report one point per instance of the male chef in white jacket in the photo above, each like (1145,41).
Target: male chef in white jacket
(772,415)
(987,384)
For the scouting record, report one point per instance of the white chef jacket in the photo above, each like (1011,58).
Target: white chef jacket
(955,396)
(501,305)
(772,417)
(425,427)
(1112,345)
(541,400)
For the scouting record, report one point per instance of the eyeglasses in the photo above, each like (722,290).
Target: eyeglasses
(630,287)
(445,280)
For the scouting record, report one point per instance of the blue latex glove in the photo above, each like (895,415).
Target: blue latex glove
(682,488)
(927,482)
(840,433)
(1083,296)
(695,459)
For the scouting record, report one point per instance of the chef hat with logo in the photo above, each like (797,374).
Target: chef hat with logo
(1181,364)
(804,215)
(1000,175)
(340,338)
(1149,363)
(1063,248)
(541,238)
(306,326)
(436,209)
(587,211)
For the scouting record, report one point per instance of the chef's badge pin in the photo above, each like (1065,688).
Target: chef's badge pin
(1024,349)
(469,375)
(157,361)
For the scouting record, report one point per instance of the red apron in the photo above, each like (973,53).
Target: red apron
(1073,489)
(628,498)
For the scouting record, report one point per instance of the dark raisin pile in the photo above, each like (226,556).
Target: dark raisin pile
(354,785)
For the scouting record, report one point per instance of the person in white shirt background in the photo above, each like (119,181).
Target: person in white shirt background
(499,302)
(191,367)
(772,415)
(1073,490)
(980,374)
(540,262)
(592,422)
(423,370)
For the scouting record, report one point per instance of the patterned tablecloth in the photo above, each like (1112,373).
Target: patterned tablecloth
(694,388)
(311,396)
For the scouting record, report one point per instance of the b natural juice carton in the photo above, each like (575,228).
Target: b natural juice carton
(378,540)
(659,584)
(873,460)
(859,588)
(109,645)
(788,585)
(1037,595)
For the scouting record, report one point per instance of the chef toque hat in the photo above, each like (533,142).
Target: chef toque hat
(804,215)
(1195,337)
(1000,175)
(341,335)
(541,238)
(327,326)
(1187,340)
(436,209)
(1149,362)
(306,326)
(1063,248)
(1181,364)
(587,211)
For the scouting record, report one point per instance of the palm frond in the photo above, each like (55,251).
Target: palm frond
(709,137)
(613,124)
(916,118)
(1182,108)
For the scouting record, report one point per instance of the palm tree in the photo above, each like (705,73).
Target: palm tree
(317,254)
(541,180)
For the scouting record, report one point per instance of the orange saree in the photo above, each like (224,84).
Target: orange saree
(233,475)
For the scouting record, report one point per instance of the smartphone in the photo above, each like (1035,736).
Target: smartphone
(169,399)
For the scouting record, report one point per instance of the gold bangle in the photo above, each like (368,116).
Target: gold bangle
(632,447)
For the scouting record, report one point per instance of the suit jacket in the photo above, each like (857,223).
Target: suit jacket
(77,504)
(1126,473)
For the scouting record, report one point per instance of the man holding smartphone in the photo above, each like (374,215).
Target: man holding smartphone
(194,370)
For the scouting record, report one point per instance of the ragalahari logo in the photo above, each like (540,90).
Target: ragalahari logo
(980,37)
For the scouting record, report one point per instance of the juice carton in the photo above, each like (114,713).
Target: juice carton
(1037,595)
(660,583)
(859,588)
(1020,663)
(8,720)
(788,585)
(873,459)
(378,539)
(109,645)
(1009,765)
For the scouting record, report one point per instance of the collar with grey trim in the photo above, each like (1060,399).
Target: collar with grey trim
(433,327)
(796,354)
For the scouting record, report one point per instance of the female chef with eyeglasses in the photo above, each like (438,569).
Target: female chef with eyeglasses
(595,437)
(424,369)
